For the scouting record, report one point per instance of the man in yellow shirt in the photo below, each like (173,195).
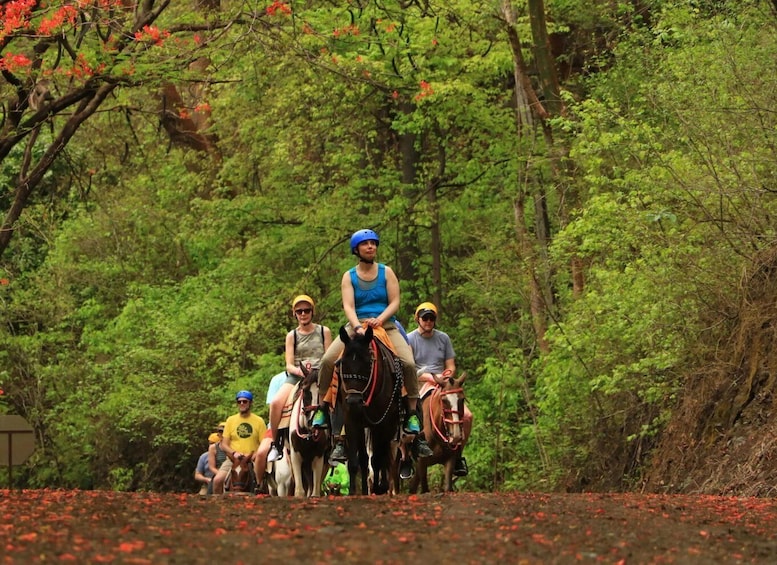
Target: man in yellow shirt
(243,433)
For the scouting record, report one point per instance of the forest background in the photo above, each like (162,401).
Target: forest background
(585,188)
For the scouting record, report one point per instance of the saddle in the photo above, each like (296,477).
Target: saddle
(287,406)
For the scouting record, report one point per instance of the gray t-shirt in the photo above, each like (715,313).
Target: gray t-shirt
(431,352)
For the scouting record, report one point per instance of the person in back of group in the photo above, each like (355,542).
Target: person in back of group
(434,355)
(370,295)
(243,432)
(305,345)
(216,455)
(203,473)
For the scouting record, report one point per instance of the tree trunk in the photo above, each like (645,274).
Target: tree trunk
(528,107)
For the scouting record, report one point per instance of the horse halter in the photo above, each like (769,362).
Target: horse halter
(371,383)
(437,399)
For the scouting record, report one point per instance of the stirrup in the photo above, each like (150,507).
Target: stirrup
(406,470)
(461,469)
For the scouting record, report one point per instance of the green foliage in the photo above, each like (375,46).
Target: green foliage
(148,282)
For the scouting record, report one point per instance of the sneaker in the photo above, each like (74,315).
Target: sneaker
(413,425)
(274,454)
(423,448)
(338,454)
(319,419)
(461,469)
(406,468)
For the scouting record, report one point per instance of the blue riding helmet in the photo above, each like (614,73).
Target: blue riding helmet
(362,236)
(244,394)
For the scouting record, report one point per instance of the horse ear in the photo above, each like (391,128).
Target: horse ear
(344,337)
(368,333)
(461,379)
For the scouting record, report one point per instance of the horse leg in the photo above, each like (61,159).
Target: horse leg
(364,465)
(448,474)
(423,472)
(296,471)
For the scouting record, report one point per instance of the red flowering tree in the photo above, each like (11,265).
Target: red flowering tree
(60,60)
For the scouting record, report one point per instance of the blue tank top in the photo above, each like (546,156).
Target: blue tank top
(370,297)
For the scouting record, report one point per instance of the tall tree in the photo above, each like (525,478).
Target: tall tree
(62,61)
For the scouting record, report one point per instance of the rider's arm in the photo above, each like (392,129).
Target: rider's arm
(450,365)
(392,290)
(327,338)
(291,368)
(212,459)
(349,302)
(225,445)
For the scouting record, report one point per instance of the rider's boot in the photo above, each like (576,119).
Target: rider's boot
(320,419)
(422,448)
(338,454)
(275,454)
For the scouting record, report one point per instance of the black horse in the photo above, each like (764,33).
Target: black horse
(370,389)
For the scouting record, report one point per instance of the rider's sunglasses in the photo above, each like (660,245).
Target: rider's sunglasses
(243,401)
(300,311)
(429,317)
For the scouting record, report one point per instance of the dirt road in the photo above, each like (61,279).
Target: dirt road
(104,527)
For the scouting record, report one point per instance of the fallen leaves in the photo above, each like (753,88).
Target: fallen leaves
(107,527)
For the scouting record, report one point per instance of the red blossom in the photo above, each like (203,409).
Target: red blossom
(11,62)
(15,15)
(426,90)
(66,13)
(152,33)
(277,7)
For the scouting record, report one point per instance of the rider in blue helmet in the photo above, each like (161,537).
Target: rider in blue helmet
(360,237)
(371,297)
(244,394)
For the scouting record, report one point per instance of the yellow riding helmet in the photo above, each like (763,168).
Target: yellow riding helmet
(214,438)
(425,307)
(302,298)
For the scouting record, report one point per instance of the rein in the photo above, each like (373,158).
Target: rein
(435,401)
(372,383)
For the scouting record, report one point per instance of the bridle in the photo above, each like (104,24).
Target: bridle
(371,382)
(436,401)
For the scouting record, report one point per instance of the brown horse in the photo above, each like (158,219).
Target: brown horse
(308,446)
(445,430)
(241,478)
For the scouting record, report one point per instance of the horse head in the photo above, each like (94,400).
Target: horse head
(447,417)
(356,364)
(240,476)
(308,391)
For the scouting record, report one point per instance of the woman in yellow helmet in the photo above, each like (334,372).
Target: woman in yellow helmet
(305,345)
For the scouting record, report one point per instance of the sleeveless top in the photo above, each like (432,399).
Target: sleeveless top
(370,297)
(309,348)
